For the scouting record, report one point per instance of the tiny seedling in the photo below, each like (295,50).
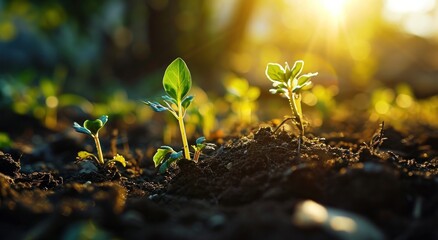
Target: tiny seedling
(287,82)
(177,82)
(166,156)
(91,128)
(200,146)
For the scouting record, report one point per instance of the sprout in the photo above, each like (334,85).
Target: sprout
(91,128)
(200,146)
(287,82)
(177,82)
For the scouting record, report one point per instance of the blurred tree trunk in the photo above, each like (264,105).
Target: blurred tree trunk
(205,51)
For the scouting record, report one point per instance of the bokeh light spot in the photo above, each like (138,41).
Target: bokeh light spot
(404,100)
(52,102)
(382,107)
(7,31)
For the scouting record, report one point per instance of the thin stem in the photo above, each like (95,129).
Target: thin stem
(183,132)
(196,156)
(297,116)
(298,121)
(98,148)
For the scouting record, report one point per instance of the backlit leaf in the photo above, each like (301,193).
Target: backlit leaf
(93,125)
(275,72)
(187,101)
(177,80)
(297,68)
(305,78)
(161,154)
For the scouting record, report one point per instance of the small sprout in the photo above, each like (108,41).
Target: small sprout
(177,82)
(200,146)
(117,158)
(166,156)
(287,82)
(91,128)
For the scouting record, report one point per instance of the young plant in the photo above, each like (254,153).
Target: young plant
(177,82)
(91,128)
(286,81)
(200,146)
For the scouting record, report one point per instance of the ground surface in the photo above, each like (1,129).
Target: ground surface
(251,187)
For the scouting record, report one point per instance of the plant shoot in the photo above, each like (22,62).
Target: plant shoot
(177,82)
(287,82)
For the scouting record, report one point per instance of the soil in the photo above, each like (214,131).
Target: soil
(381,181)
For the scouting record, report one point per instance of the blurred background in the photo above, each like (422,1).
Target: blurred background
(62,60)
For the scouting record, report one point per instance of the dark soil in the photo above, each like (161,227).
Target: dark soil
(250,187)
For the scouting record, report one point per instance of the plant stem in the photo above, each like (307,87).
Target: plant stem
(196,156)
(297,115)
(183,132)
(98,148)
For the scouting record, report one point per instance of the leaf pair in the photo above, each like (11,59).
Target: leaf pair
(91,127)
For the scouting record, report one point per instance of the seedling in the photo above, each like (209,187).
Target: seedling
(91,128)
(177,82)
(166,156)
(287,82)
(200,146)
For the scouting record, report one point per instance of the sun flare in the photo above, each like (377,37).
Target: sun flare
(334,7)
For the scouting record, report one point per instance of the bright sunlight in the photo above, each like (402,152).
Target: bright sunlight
(334,7)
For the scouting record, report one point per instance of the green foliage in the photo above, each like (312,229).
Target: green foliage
(166,156)
(287,82)
(177,82)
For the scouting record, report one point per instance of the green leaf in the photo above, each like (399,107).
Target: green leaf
(297,68)
(200,140)
(187,101)
(81,129)
(177,80)
(95,125)
(173,157)
(168,99)
(299,87)
(288,72)
(303,79)
(161,154)
(156,106)
(275,72)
